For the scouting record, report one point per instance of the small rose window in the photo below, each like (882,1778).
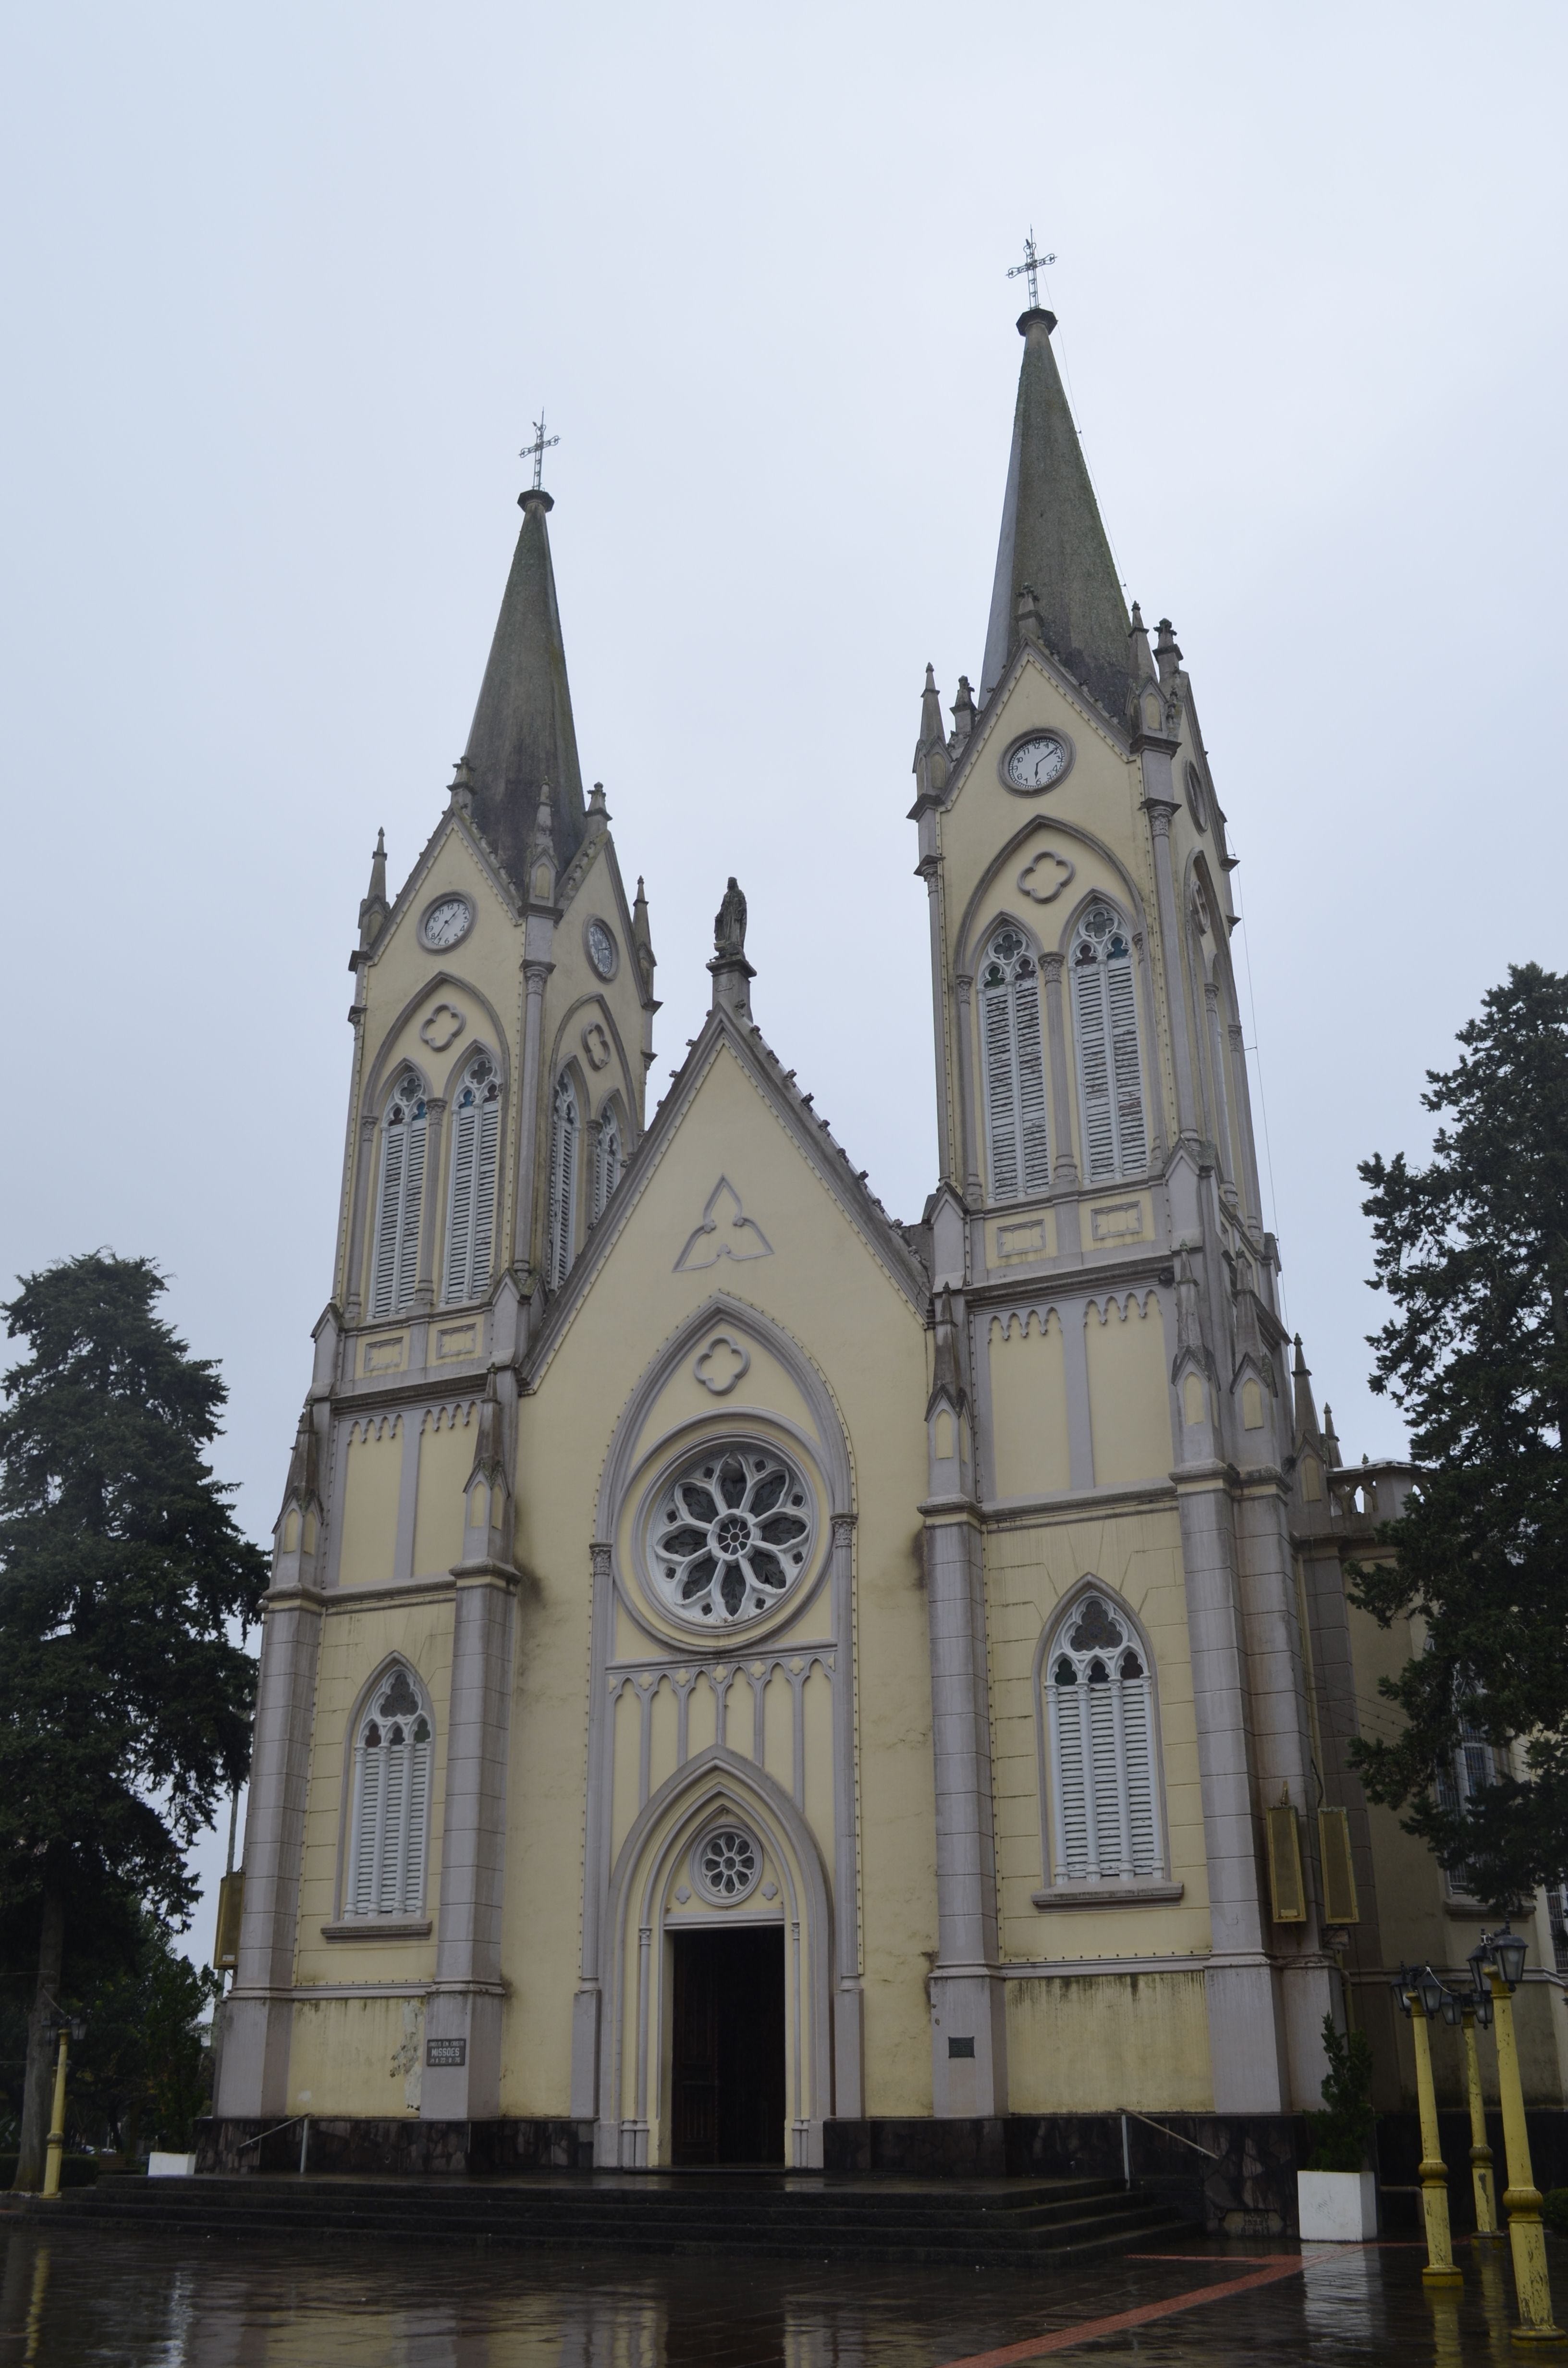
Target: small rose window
(726,1864)
(730,1535)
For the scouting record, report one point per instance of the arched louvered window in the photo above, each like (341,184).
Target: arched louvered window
(566,1133)
(1110,1075)
(391,1802)
(1014,1069)
(608,1159)
(1100,1721)
(470,1216)
(400,1197)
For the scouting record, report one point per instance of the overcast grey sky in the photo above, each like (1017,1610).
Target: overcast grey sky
(285,287)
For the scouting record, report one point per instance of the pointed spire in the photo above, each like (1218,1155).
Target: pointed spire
(1306,1406)
(1053,539)
(1140,663)
(374,908)
(930,766)
(598,813)
(964,714)
(1166,652)
(1330,1443)
(641,939)
(522,734)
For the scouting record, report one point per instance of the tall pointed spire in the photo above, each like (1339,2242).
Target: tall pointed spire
(1053,540)
(522,734)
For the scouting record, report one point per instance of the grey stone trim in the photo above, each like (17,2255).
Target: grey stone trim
(354,1280)
(1137,1894)
(1064,1165)
(407,1495)
(847,2029)
(599,1808)
(1079,1969)
(1160,808)
(253,2072)
(525,1166)
(380,1927)
(433,1206)
(970,1126)
(1080,1427)
(468,1954)
(929,868)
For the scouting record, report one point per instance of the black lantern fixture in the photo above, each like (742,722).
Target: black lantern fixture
(1431,1990)
(1401,1984)
(1510,1949)
(1484,2012)
(1453,2008)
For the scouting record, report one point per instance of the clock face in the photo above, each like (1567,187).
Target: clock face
(601,949)
(448,920)
(1035,762)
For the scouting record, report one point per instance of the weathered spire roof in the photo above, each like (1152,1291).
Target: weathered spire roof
(522,736)
(1053,539)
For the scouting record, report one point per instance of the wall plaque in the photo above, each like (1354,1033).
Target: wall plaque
(445,2055)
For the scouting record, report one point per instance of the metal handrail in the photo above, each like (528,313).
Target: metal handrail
(1165,2133)
(300,2121)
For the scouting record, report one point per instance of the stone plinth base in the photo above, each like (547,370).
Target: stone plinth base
(407,2148)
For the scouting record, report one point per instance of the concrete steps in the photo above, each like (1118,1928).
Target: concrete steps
(1025,2224)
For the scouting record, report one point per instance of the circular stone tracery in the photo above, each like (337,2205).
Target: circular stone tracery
(730,1535)
(725,1864)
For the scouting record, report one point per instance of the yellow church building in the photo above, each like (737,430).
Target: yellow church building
(747,1678)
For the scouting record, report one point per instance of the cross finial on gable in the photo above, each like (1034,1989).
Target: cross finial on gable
(538,449)
(1033,264)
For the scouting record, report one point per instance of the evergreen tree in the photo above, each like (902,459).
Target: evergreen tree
(124,1703)
(1472,1249)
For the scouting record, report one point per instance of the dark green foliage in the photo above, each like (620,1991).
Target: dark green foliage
(1474,1252)
(124,1702)
(141,2073)
(1342,2134)
(76,2169)
(1554,2210)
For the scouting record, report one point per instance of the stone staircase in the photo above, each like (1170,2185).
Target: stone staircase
(1038,2224)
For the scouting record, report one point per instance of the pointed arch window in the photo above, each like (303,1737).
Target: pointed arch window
(400,1199)
(1110,1074)
(391,1801)
(1014,1069)
(609,1157)
(1100,1717)
(470,1216)
(565,1136)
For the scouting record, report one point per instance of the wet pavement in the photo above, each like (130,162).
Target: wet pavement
(107,2298)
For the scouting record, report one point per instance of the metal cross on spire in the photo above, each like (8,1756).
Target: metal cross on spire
(1032,265)
(538,449)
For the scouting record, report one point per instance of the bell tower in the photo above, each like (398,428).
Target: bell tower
(1105,1289)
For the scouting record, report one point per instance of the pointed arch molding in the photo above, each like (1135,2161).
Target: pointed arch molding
(634,2067)
(1162,1889)
(378,1677)
(977,912)
(831,1446)
(441,983)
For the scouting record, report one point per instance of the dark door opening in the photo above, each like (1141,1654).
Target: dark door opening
(728,2070)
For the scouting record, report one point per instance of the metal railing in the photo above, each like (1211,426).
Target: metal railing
(296,2121)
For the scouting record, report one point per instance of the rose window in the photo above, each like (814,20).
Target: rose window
(731,1534)
(726,1864)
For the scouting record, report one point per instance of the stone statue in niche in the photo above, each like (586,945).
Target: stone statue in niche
(730,922)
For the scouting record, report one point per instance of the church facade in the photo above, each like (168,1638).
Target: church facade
(742,1672)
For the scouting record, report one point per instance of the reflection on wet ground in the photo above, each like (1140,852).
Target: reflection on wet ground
(92,2298)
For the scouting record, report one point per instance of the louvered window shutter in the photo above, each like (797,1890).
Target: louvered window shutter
(411,1885)
(1105,1812)
(1094,1071)
(1001,1091)
(1132,1144)
(1072,1795)
(1033,1146)
(408,1225)
(394,1810)
(1139,1763)
(562,1186)
(367,1828)
(389,1207)
(459,1218)
(483,1254)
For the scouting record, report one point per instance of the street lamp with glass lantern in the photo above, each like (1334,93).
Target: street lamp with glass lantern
(1413,1987)
(1501,1956)
(1459,2013)
(68,2027)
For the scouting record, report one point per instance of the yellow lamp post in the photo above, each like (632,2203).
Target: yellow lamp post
(1463,2012)
(1420,1995)
(1501,1956)
(55,2151)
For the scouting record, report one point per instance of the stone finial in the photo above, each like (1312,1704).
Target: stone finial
(374,908)
(459,796)
(1330,1441)
(1168,653)
(1141,664)
(1030,623)
(597,809)
(963,711)
(642,938)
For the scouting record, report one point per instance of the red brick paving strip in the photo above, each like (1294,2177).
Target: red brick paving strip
(1065,2339)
